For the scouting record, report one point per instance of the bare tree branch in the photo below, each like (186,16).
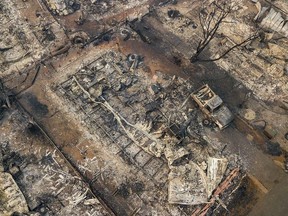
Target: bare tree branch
(210,20)
(231,48)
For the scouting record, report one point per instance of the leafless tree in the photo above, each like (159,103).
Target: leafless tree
(211,16)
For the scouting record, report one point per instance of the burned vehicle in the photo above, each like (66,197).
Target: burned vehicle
(212,106)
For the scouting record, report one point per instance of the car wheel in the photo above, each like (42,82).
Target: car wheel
(206,122)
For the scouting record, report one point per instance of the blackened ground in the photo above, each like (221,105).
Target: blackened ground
(244,199)
(38,108)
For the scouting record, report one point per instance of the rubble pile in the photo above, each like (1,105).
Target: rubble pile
(11,197)
(273,20)
(12,38)
(99,9)
(94,125)
(21,44)
(34,182)
(184,25)
(187,185)
(265,56)
(132,112)
(259,64)
(63,7)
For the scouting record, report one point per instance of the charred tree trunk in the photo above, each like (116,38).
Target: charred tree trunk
(227,51)
(210,20)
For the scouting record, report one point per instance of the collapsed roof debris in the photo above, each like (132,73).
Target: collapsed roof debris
(109,82)
(187,185)
(22,44)
(190,185)
(38,174)
(215,170)
(11,197)
(97,9)
(272,19)
(63,7)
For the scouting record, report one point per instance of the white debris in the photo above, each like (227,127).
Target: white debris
(215,171)
(275,21)
(91,202)
(187,185)
(12,199)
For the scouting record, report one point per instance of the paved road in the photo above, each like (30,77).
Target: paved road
(255,161)
(275,203)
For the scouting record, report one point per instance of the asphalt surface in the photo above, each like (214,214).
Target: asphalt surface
(275,203)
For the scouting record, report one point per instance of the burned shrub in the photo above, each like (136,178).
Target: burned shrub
(123,191)
(33,129)
(138,187)
(173,13)
(273,149)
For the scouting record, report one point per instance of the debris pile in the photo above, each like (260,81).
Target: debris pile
(156,114)
(190,185)
(216,168)
(34,181)
(126,137)
(11,197)
(264,56)
(23,44)
(187,185)
(63,7)
(97,9)
(271,19)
